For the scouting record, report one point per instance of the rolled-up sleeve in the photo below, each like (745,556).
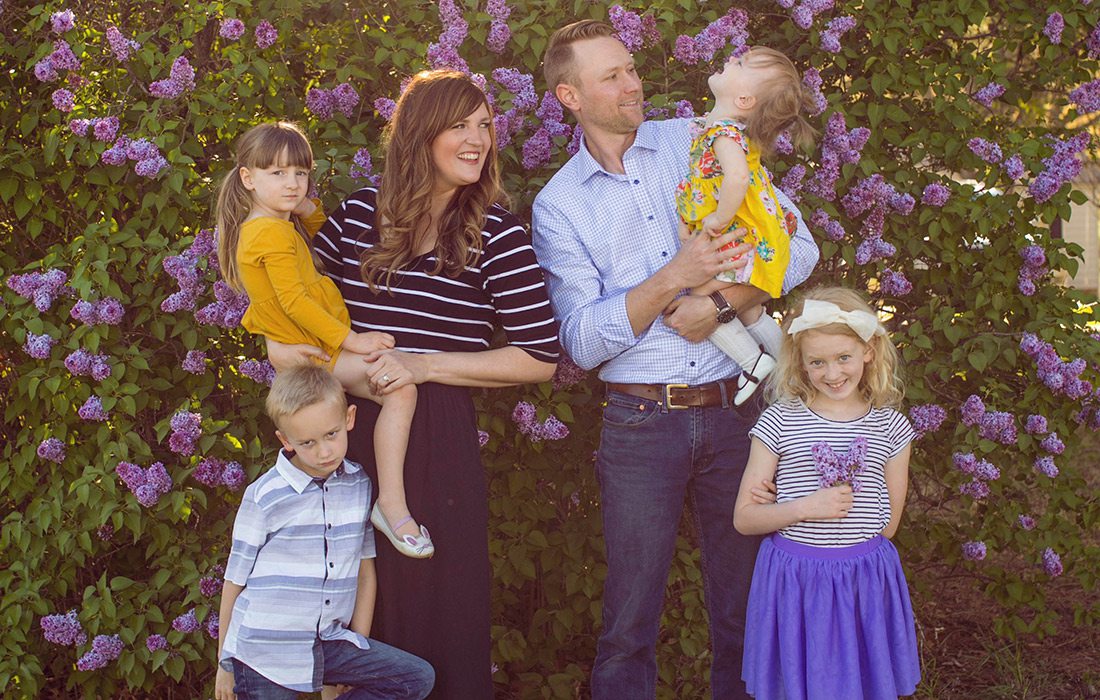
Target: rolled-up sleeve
(594,324)
(804,251)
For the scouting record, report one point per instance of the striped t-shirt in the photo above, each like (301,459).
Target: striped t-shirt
(439,313)
(791,429)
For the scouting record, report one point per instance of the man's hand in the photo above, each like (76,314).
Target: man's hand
(223,685)
(700,258)
(692,317)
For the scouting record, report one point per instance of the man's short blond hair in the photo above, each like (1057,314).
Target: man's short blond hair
(301,387)
(557,62)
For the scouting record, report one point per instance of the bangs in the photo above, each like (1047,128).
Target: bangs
(281,148)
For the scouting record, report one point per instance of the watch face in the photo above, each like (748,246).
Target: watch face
(727,315)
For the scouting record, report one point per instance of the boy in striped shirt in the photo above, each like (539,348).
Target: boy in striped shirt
(298,597)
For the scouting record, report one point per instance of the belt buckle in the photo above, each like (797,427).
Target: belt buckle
(668,395)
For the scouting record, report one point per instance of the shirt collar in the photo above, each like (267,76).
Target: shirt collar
(298,479)
(589,166)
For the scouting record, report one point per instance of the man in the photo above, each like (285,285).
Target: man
(605,233)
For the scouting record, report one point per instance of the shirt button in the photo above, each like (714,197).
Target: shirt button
(637,182)
(692,363)
(664,253)
(330,565)
(330,526)
(650,217)
(327,602)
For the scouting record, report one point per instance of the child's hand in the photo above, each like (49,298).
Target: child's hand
(712,226)
(833,502)
(223,685)
(305,208)
(764,494)
(369,342)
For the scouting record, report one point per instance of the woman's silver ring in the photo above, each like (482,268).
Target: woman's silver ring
(386,378)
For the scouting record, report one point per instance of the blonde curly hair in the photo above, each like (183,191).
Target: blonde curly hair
(881,384)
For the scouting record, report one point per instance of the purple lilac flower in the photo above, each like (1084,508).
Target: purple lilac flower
(151,167)
(990,92)
(482,438)
(109,311)
(233,476)
(966,462)
(63,629)
(115,155)
(1052,563)
(105,128)
(974,551)
(91,661)
(1093,42)
(105,532)
(227,309)
(523,414)
(894,283)
(39,346)
(631,27)
(729,30)
(212,623)
(92,410)
(1036,424)
(180,79)
(521,85)
(1054,26)
(802,17)
(258,371)
(266,34)
(988,151)
(63,100)
(79,126)
(972,410)
(109,647)
(52,449)
(209,471)
(986,471)
(791,184)
(156,642)
(186,430)
(194,362)
(231,29)
(186,622)
(1053,444)
(1014,167)
(1046,465)
(210,586)
(845,468)
(63,21)
(345,98)
(976,489)
(935,194)
(119,45)
(41,288)
(499,35)
(567,374)
(839,146)
(1086,96)
(998,426)
(1026,522)
(927,418)
(444,53)
(811,80)
(385,107)
(836,28)
(537,149)
(1060,167)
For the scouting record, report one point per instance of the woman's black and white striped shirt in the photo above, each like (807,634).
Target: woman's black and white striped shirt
(438,313)
(790,430)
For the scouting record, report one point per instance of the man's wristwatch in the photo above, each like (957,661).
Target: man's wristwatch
(726,312)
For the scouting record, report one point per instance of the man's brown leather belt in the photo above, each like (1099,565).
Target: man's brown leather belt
(681,395)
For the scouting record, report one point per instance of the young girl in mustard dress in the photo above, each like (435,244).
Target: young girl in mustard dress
(757,96)
(265,223)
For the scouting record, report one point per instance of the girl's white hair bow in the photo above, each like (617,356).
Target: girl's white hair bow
(821,313)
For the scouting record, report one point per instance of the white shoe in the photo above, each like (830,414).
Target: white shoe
(410,545)
(748,381)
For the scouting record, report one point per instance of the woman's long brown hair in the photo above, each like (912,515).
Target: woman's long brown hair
(433,102)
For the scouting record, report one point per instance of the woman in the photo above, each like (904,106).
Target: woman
(432,259)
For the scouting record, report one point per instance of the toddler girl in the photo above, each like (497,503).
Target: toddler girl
(829,613)
(757,97)
(265,223)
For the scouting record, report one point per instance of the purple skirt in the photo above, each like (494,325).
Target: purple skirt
(829,623)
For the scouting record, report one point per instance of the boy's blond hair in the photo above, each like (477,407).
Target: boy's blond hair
(301,387)
(881,384)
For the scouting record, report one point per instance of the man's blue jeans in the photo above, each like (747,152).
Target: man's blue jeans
(649,459)
(379,673)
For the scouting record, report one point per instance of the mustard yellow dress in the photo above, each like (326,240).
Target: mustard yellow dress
(289,300)
(769,227)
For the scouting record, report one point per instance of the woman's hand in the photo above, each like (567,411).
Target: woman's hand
(283,356)
(223,685)
(392,369)
(833,502)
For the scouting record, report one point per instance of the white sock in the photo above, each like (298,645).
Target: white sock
(733,339)
(768,333)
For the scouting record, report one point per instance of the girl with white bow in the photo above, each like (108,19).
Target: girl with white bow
(829,613)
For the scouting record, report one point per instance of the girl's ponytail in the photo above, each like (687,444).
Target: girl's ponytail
(801,133)
(234,204)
